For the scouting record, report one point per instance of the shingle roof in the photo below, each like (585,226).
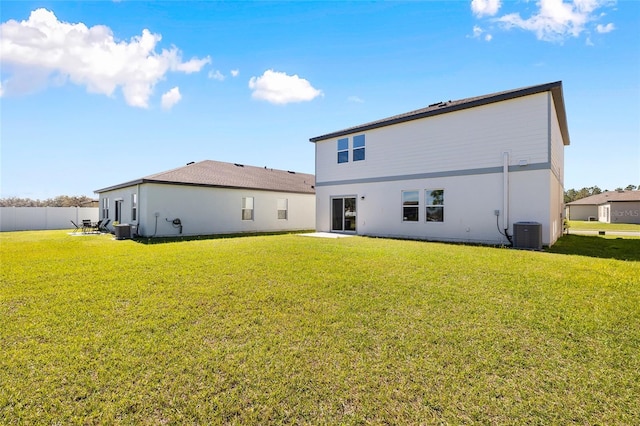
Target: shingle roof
(229,175)
(450,106)
(606,197)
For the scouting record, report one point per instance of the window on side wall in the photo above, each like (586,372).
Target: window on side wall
(358,148)
(410,206)
(343,150)
(434,200)
(105,208)
(134,206)
(282,208)
(247,208)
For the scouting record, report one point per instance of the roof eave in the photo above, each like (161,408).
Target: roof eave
(119,186)
(554,87)
(558,100)
(165,182)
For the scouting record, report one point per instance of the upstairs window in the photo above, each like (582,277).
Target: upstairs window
(247,208)
(282,208)
(358,148)
(410,206)
(435,205)
(343,150)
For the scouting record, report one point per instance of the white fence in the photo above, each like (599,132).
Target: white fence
(33,218)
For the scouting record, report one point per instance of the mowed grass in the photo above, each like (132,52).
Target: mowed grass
(296,330)
(583,225)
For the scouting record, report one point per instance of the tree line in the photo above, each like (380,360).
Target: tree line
(573,194)
(59,201)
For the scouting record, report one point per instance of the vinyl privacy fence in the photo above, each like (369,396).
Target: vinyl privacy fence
(36,218)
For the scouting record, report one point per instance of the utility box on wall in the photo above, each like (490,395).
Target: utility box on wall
(527,235)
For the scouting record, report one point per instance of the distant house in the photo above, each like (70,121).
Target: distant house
(90,203)
(463,170)
(212,197)
(608,207)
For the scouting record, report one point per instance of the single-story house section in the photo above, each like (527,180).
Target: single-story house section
(212,197)
(462,171)
(608,207)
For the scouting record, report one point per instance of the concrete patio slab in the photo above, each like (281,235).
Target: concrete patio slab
(326,235)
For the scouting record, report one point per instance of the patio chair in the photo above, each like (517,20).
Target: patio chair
(103,225)
(75,226)
(98,225)
(86,224)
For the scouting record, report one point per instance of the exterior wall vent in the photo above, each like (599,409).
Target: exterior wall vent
(527,235)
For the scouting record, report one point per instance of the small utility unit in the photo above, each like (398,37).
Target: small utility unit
(527,235)
(122,231)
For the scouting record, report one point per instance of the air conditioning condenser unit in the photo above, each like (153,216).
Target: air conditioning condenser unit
(527,235)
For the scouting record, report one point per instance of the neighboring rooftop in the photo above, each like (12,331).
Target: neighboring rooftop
(606,197)
(229,175)
(450,106)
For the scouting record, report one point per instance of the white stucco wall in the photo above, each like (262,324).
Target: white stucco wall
(582,212)
(206,211)
(462,140)
(556,209)
(122,195)
(622,212)
(470,202)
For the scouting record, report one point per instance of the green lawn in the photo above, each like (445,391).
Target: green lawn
(295,330)
(601,226)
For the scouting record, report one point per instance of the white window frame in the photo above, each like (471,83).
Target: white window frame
(247,208)
(427,193)
(342,150)
(282,207)
(404,205)
(134,206)
(359,139)
(105,208)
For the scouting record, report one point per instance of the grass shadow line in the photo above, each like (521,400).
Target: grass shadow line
(596,246)
(179,239)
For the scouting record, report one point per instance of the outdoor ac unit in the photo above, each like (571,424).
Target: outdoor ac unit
(527,235)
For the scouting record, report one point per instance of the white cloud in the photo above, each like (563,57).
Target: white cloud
(477,32)
(485,7)
(355,99)
(193,65)
(57,51)
(171,98)
(216,75)
(555,20)
(280,88)
(235,73)
(602,29)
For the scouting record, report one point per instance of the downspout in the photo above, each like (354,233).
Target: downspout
(505,195)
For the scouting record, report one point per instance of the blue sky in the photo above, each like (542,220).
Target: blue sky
(98,93)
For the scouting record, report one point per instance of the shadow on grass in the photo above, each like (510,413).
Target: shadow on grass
(166,240)
(594,246)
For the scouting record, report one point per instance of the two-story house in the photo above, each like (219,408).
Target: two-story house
(464,170)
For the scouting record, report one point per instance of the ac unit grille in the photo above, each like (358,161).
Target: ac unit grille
(527,235)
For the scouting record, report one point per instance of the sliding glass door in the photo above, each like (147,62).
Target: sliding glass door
(343,214)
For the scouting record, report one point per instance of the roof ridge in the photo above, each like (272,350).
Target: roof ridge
(214,173)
